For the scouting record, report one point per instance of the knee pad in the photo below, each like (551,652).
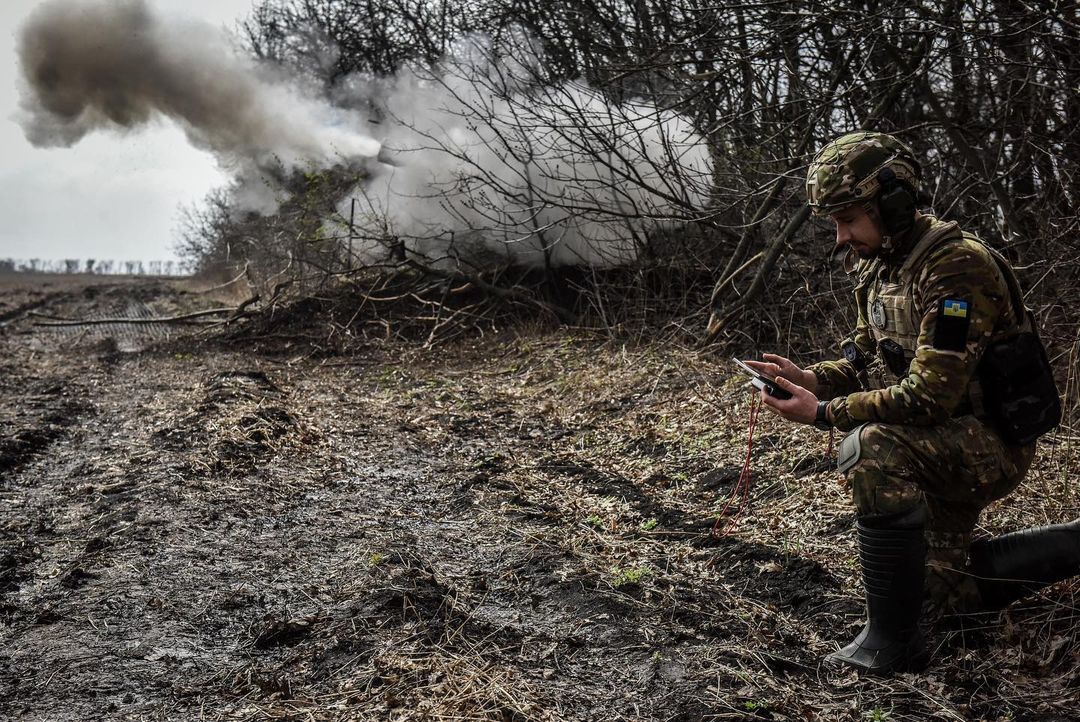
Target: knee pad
(850,450)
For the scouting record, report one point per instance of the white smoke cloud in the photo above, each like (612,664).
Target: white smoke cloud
(485,164)
(492,166)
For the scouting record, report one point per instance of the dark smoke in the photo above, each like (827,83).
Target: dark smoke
(596,176)
(114,65)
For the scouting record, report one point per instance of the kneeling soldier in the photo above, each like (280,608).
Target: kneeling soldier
(943,386)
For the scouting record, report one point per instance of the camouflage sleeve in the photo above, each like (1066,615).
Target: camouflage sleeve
(960,295)
(834,378)
(840,377)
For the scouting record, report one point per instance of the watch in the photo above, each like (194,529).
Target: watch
(821,421)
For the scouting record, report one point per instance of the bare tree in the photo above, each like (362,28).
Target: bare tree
(986,97)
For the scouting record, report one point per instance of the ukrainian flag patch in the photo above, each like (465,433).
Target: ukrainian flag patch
(953,324)
(956,309)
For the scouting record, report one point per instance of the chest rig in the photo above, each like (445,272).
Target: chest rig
(1013,386)
(886,297)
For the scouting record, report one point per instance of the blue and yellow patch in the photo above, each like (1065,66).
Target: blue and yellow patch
(953,325)
(956,309)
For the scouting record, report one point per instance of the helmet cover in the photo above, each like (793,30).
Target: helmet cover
(846,170)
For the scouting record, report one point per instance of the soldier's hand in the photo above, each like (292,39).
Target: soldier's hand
(780,367)
(801,407)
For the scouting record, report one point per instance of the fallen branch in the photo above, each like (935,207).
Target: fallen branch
(220,286)
(183,318)
(241,310)
(507,294)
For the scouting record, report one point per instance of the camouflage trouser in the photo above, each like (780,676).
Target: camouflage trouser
(955,469)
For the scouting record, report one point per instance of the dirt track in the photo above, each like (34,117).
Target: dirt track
(512,528)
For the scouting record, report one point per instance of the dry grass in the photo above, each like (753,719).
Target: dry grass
(507,527)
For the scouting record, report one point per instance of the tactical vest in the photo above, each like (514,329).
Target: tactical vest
(888,302)
(1012,388)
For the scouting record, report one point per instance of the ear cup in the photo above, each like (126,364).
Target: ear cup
(896,203)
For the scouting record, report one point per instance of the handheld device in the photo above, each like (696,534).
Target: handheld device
(762,382)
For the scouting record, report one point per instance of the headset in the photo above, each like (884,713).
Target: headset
(896,202)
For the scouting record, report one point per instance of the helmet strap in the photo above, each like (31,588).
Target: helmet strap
(886,238)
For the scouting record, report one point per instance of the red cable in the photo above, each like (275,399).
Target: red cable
(741,490)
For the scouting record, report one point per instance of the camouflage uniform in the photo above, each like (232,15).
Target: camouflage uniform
(928,305)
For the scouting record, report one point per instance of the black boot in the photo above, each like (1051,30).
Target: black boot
(892,551)
(1014,565)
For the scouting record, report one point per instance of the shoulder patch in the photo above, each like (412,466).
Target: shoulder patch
(954,308)
(953,321)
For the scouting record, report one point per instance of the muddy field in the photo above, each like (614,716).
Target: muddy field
(514,527)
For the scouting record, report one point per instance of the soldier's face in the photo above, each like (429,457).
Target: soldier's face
(857,229)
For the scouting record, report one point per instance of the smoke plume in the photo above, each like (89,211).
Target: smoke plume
(490,162)
(115,65)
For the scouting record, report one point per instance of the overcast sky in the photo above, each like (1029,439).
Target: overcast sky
(107,196)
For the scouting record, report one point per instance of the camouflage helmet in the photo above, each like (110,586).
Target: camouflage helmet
(846,170)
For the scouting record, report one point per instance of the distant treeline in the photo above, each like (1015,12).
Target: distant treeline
(93,266)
